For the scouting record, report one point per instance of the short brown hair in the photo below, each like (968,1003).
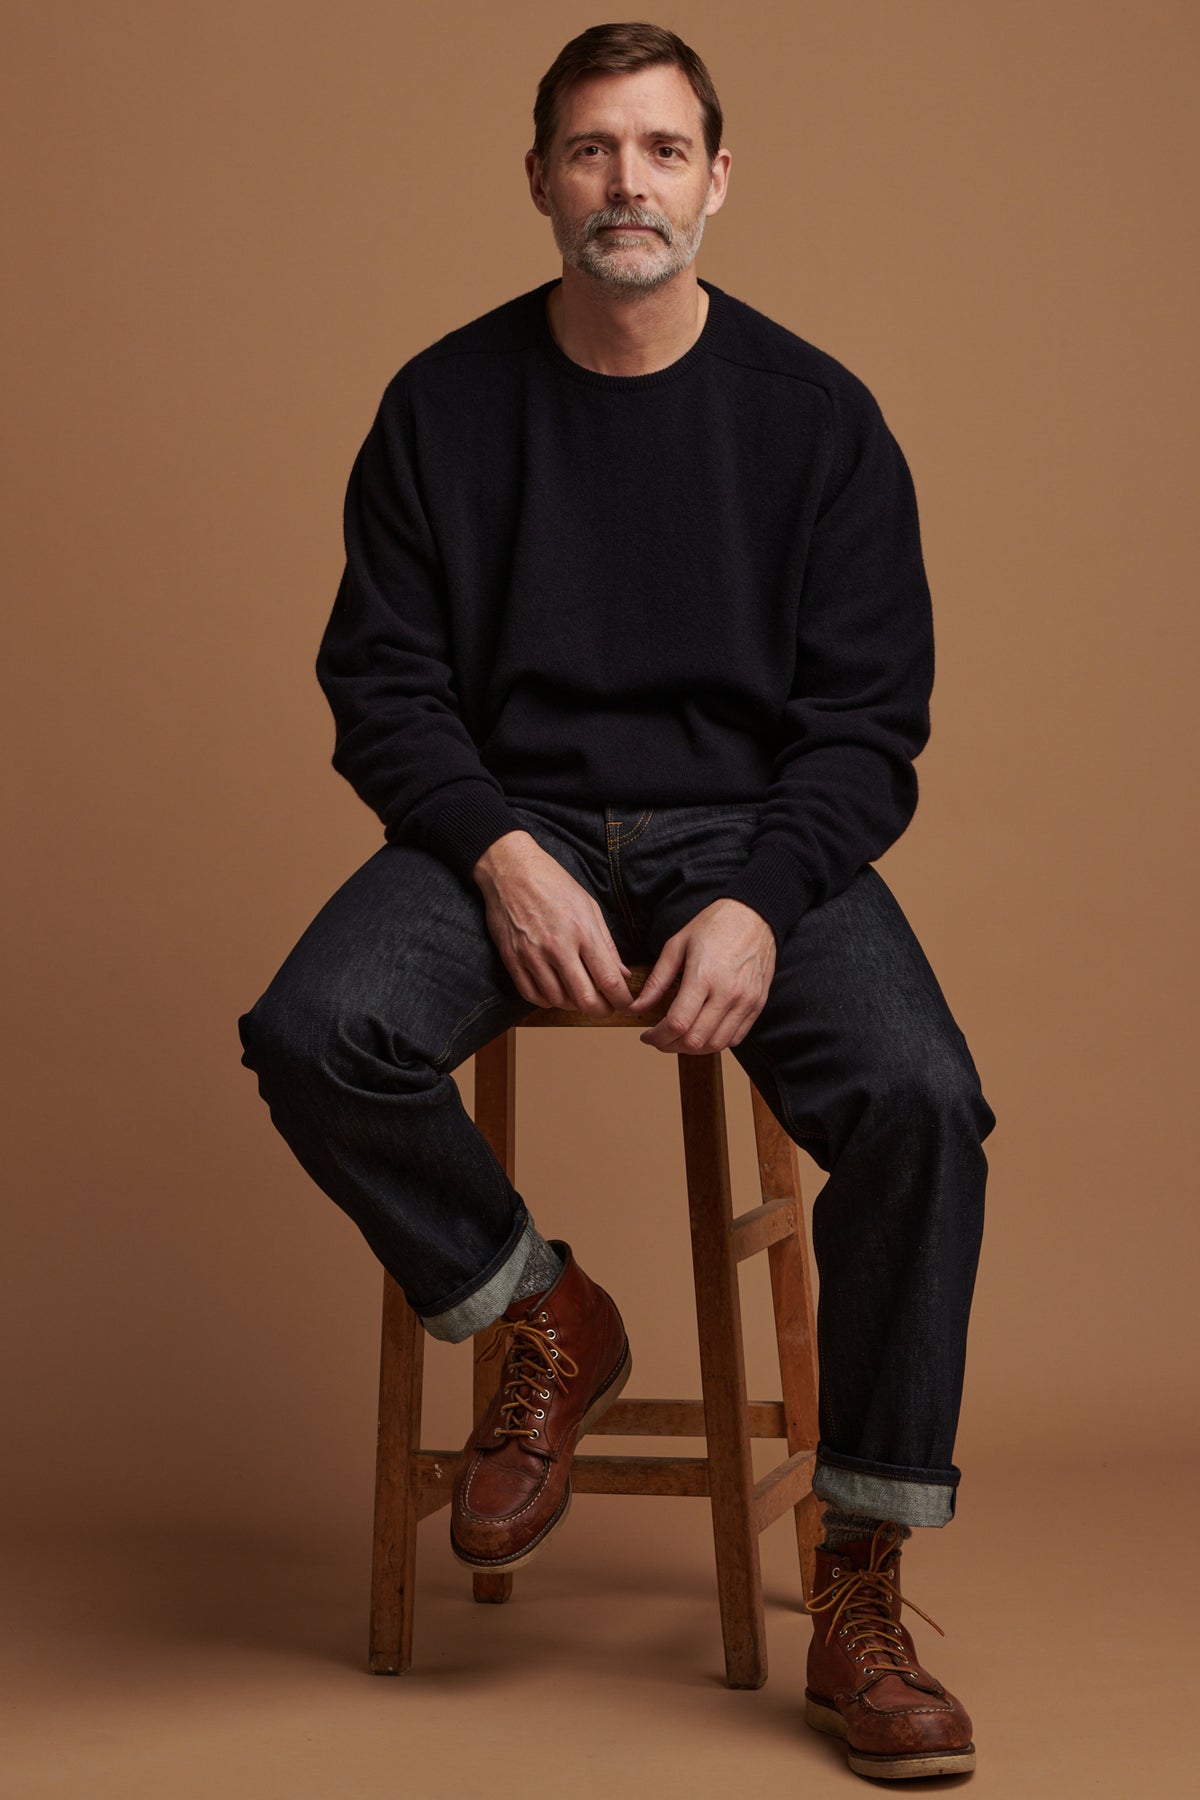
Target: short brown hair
(614,50)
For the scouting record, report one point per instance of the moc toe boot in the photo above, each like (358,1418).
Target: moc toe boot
(865,1684)
(564,1358)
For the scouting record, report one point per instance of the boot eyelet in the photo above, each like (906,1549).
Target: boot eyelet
(543,1315)
(495,1431)
(553,1353)
(543,1393)
(540,1413)
(551,1332)
(535,1432)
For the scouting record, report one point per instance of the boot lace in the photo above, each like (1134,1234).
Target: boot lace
(862,1600)
(532,1360)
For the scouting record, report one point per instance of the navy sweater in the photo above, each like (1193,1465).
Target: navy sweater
(695,586)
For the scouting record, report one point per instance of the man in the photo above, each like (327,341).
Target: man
(632,656)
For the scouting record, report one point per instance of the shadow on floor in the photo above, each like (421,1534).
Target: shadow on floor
(196,1586)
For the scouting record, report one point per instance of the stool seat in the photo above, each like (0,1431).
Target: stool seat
(412,1482)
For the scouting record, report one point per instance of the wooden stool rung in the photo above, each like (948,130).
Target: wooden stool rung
(785,1486)
(682,1418)
(433,1477)
(431,1499)
(680,1475)
(761,1227)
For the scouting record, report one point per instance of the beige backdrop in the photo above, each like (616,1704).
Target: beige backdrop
(229,224)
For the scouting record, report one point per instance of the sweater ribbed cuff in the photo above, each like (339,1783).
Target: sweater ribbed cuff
(775,885)
(462,820)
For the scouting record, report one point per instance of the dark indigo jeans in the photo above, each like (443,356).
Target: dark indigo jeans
(397,981)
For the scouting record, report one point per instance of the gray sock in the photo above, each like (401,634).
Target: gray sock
(842,1527)
(540,1272)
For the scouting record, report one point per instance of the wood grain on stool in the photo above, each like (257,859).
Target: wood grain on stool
(412,1483)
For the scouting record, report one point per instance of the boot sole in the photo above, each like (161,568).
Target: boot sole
(599,1406)
(878,1763)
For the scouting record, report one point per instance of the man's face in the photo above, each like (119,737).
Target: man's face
(627,184)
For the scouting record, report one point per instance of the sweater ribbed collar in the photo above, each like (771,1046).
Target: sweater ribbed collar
(565,365)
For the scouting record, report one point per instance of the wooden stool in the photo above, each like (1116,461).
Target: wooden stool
(411,1482)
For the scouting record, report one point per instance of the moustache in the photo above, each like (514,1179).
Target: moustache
(601,221)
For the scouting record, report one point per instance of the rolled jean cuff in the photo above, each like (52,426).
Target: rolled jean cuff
(885,1490)
(488,1295)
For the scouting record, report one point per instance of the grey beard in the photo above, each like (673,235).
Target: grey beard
(580,248)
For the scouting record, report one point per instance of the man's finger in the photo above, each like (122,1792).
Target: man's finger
(546,979)
(583,995)
(681,1014)
(526,988)
(741,1025)
(732,1028)
(661,976)
(702,1027)
(602,941)
(523,977)
(589,973)
(615,989)
(609,973)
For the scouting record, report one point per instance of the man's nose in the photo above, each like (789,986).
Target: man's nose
(626,176)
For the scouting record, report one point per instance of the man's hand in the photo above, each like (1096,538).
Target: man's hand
(549,931)
(727,958)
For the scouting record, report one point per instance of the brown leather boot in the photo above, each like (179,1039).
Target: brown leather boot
(565,1360)
(864,1681)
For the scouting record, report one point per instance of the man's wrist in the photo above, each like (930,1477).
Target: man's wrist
(773,884)
(498,852)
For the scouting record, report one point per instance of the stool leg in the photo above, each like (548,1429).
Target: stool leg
(795,1319)
(496,1117)
(394,1555)
(723,1370)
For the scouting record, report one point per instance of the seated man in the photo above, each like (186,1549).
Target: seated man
(632,656)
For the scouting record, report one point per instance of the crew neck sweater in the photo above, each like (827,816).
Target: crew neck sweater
(701,585)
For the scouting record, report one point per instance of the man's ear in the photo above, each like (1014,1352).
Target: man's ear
(719,181)
(533,172)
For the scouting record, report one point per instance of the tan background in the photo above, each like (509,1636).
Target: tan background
(228,225)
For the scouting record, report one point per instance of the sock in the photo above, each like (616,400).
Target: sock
(841,1527)
(542,1269)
